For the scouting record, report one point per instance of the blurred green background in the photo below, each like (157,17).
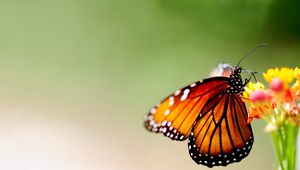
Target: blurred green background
(77,77)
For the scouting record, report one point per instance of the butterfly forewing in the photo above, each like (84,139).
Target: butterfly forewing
(176,114)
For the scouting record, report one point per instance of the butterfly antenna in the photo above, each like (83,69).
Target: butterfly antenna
(251,51)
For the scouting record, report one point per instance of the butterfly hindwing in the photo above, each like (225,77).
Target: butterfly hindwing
(222,135)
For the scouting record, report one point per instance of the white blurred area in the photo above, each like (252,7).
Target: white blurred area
(44,138)
(40,144)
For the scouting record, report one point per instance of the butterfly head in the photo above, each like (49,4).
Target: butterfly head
(237,70)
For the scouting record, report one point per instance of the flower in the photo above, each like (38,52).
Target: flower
(258,96)
(297,73)
(276,84)
(278,101)
(284,73)
(279,105)
(271,128)
(296,87)
(251,88)
(255,92)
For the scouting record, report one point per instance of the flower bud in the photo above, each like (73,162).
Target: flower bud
(271,128)
(257,96)
(276,85)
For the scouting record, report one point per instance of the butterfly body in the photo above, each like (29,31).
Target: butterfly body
(211,115)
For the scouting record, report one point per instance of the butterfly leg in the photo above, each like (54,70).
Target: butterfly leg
(251,74)
(246,82)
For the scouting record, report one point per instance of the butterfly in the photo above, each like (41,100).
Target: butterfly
(211,114)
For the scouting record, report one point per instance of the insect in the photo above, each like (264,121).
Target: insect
(211,115)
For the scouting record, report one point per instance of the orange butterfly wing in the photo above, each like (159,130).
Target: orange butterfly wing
(175,116)
(222,135)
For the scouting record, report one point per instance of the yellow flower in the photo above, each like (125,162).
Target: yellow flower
(284,73)
(256,109)
(270,74)
(297,73)
(296,87)
(251,88)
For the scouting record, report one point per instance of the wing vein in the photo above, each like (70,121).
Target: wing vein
(245,118)
(218,123)
(237,123)
(226,122)
(178,112)
(204,133)
(189,112)
(234,119)
(208,91)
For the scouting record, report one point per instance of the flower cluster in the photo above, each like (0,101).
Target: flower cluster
(279,102)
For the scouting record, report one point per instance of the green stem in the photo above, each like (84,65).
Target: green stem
(291,146)
(277,144)
(285,145)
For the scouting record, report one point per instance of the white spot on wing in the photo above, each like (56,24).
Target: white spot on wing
(164,130)
(185,94)
(177,93)
(152,122)
(153,110)
(171,101)
(193,85)
(169,124)
(167,112)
